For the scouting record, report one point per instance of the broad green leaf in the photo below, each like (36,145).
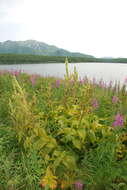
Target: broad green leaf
(59,159)
(92,136)
(70,162)
(76,142)
(82,133)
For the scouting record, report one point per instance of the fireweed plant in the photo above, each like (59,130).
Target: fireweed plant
(58,133)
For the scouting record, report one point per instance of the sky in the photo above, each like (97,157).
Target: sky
(95,27)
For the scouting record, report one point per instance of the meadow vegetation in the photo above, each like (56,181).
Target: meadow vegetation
(58,134)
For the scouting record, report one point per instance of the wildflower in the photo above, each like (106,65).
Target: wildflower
(125,82)
(102,84)
(78,185)
(16,73)
(49,180)
(58,83)
(95,103)
(81,81)
(110,83)
(118,120)
(33,79)
(72,82)
(94,80)
(85,79)
(115,99)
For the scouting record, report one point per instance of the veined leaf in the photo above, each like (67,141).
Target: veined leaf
(70,162)
(77,143)
(82,134)
(67,131)
(39,144)
(52,143)
(92,136)
(59,159)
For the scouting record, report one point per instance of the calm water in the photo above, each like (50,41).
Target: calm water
(107,71)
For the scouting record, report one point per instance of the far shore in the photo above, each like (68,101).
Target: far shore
(39,59)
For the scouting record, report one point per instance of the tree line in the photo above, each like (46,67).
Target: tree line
(22,58)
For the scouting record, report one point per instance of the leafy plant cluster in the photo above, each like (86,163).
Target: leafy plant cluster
(62,134)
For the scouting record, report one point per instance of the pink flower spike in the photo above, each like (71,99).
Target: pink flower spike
(95,103)
(78,185)
(58,83)
(110,83)
(33,79)
(81,81)
(16,73)
(71,82)
(101,84)
(94,80)
(119,121)
(115,99)
(125,81)
(85,79)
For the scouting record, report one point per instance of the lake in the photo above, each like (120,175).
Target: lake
(107,71)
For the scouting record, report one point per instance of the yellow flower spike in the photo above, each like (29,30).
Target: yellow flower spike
(66,65)
(66,183)
(63,184)
(49,179)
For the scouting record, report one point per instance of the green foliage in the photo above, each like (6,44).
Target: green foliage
(101,170)
(22,57)
(52,136)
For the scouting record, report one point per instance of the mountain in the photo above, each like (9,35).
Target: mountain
(36,48)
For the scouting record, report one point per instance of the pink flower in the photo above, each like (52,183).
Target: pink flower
(16,73)
(125,82)
(115,99)
(102,84)
(72,82)
(33,79)
(110,83)
(119,120)
(85,79)
(58,83)
(94,81)
(95,103)
(81,81)
(78,185)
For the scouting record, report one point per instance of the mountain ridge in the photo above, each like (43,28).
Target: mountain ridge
(36,48)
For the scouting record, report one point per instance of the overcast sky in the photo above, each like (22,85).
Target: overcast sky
(96,27)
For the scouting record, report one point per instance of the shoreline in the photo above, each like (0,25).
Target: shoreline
(41,59)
